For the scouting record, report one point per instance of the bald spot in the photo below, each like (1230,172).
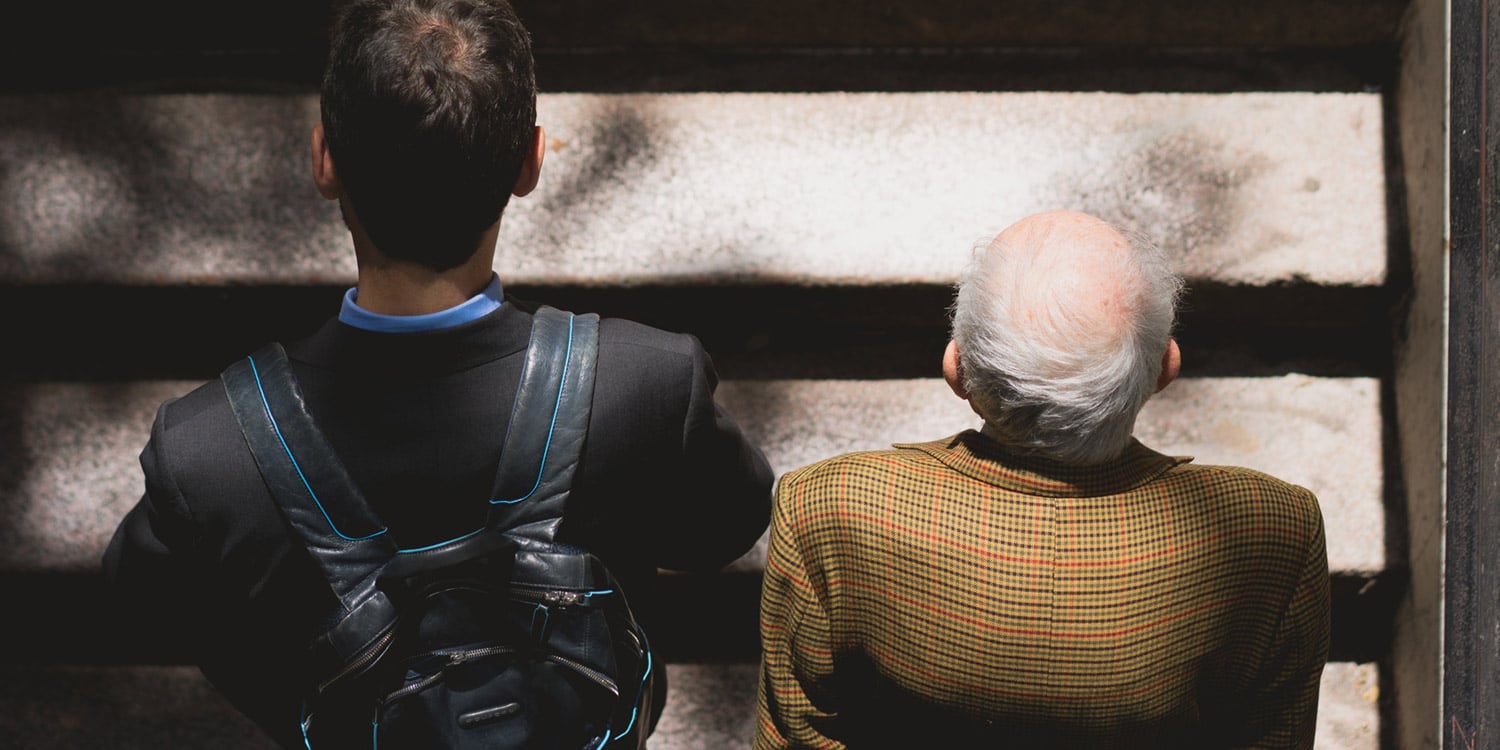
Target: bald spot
(1071,275)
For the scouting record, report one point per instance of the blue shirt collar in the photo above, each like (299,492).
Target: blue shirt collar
(476,307)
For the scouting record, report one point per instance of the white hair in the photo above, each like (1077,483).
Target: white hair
(1060,349)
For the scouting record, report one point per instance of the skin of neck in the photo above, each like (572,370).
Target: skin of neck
(394,287)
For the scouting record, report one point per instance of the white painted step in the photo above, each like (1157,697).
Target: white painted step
(839,188)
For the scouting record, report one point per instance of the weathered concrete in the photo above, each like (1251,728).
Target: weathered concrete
(719,188)
(68,467)
(1324,434)
(1349,714)
(1420,375)
(126,708)
(712,707)
(1321,433)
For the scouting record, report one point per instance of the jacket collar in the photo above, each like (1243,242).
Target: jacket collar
(977,456)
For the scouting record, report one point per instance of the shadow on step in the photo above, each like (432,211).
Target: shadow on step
(707,618)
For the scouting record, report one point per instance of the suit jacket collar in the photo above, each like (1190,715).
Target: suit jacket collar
(977,456)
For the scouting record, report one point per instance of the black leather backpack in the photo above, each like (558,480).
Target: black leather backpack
(501,638)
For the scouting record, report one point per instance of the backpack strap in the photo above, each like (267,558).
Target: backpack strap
(548,425)
(326,511)
(322,506)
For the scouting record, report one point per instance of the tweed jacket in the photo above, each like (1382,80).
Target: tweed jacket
(951,593)
(205,565)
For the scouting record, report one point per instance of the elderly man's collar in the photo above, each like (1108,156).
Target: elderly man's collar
(977,456)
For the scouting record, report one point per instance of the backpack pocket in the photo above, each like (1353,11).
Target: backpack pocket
(496,696)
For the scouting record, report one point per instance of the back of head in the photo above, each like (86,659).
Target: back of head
(1061,325)
(428,107)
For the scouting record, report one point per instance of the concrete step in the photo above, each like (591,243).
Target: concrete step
(714,189)
(1321,433)
(712,707)
(68,471)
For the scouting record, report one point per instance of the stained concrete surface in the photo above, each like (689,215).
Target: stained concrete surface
(68,469)
(845,188)
(1321,433)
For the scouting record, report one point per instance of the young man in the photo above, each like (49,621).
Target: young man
(1047,581)
(428,127)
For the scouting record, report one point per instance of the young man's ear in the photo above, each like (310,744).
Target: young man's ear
(953,371)
(324,175)
(531,164)
(1171,365)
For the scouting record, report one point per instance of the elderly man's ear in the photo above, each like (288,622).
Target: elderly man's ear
(953,371)
(1171,364)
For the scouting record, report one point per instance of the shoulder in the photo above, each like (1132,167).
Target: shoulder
(847,477)
(648,365)
(1238,492)
(1236,481)
(203,408)
(877,462)
(624,333)
(627,337)
(634,355)
(197,452)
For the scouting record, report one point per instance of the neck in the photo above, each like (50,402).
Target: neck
(406,289)
(391,287)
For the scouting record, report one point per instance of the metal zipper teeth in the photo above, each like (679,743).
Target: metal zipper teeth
(459,657)
(454,658)
(584,597)
(534,594)
(595,675)
(415,687)
(364,659)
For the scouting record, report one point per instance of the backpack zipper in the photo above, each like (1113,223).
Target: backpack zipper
(457,658)
(595,675)
(556,597)
(375,651)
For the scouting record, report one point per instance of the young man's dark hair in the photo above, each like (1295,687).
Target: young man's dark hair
(428,108)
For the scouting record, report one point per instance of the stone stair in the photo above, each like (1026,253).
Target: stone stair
(800,194)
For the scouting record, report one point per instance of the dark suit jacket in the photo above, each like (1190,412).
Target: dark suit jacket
(667,480)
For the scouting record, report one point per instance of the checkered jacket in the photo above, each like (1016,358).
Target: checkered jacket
(951,594)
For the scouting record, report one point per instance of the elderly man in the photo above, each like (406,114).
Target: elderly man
(1047,581)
